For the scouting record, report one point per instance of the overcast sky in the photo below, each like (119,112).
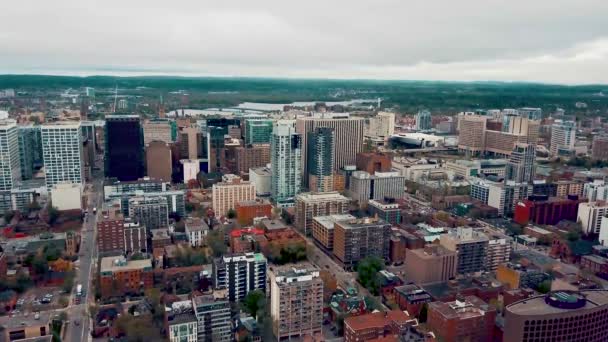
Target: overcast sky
(557,41)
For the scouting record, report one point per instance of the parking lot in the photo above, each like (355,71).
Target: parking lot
(41,299)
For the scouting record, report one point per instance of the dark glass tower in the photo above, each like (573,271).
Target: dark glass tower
(321,159)
(124,154)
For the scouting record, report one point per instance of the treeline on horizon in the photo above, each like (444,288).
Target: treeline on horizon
(406,96)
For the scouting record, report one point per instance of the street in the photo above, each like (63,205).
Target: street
(88,254)
(325,262)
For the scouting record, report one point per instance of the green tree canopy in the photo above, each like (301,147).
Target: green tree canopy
(367,273)
(253,302)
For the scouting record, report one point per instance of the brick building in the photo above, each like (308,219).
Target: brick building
(247,240)
(247,211)
(411,298)
(544,210)
(376,325)
(465,319)
(373,162)
(118,277)
(252,156)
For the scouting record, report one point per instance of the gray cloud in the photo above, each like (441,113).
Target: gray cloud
(560,41)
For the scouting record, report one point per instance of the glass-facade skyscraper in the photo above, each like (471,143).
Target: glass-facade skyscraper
(258,131)
(321,159)
(124,147)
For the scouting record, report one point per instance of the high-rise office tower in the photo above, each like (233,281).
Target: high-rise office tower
(159,130)
(296,301)
(599,149)
(563,137)
(191,143)
(531,113)
(124,147)
(520,167)
(423,120)
(10,167)
(380,127)
(62,153)
(159,160)
(286,159)
(30,150)
(348,137)
(239,274)
(321,159)
(258,131)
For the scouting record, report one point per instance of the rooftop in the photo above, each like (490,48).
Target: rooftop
(550,303)
(115,264)
(377,320)
(462,308)
(318,196)
(28,320)
(328,221)
(361,223)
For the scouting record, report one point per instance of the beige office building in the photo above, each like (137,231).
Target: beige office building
(229,192)
(348,137)
(157,131)
(158,161)
(310,204)
(431,264)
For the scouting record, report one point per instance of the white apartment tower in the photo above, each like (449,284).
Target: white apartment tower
(62,153)
(286,162)
(520,167)
(563,137)
(10,166)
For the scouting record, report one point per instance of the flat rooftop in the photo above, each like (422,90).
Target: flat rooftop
(377,320)
(538,306)
(114,264)
(471,307)
(329,220)
(26,321)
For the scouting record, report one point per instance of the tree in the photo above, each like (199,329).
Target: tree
(253,302)
(137,329)
(68,282)
(216,242)
(573,236)
(544,287)
(231,213)
(367,273)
